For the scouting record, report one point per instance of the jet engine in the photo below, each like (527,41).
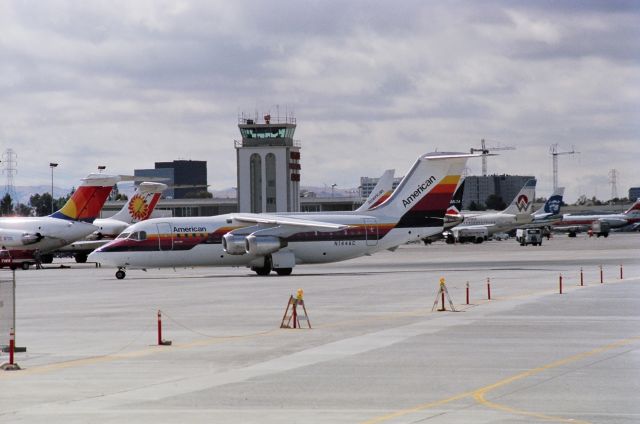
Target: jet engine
(234,244)
(263,245)
(15,238)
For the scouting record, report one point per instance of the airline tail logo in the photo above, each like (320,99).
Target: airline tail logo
(416,194)
(84,204)
(522,203)
(140,207)
(553,205)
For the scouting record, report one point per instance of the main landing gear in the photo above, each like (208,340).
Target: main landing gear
(268,267)
(120,274)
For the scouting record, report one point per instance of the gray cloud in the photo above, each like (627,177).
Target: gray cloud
(373,84)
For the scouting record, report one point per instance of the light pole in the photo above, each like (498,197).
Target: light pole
(333,187)
(52,165)
(101,168)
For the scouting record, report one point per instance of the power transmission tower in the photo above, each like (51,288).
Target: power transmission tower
(485,152)
(613,180)
(554,154)
(10,168)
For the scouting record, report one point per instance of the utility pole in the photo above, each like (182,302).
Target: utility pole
(554,154)
(613,180)
(485,152)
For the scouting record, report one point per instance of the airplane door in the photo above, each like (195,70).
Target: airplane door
(165,236)
(371,231)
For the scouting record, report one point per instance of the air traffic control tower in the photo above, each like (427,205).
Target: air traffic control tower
(268,165)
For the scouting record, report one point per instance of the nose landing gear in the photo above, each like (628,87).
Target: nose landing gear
(120,274)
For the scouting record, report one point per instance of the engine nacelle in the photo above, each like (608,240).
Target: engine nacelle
(16,238)
(234,244)
(263,245)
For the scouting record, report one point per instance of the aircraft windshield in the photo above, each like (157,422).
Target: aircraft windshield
(138,235)
(123,235)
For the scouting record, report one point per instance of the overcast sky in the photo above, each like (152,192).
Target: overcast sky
(372,84)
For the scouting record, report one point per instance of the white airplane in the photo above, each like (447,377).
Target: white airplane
(380,193)
(138,208)
(572,223)
(267,242)
(516,214)
(22,236)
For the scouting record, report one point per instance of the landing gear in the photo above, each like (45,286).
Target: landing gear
(81,258)
(120,274)
(265,269)
(283,271)
(46,259)
(25,265)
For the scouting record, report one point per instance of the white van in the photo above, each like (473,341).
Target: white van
(526,236)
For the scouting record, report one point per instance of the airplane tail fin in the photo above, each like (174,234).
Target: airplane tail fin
(634,209)
(88,199)
(455,206)
(140,206)
(424,194)
(380,193)
(553,204)
(523,202)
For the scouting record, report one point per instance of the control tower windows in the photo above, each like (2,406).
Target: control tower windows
(270,174)
(256,183)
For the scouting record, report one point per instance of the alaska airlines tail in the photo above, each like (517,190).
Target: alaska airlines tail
(381,192)
(140,206)
(523,202)
(88,199)
(423,196)
(553,204)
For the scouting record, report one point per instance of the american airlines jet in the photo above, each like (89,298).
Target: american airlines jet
(380,193)
(278,242)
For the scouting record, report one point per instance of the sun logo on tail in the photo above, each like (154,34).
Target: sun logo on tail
(138,208)
(522,203)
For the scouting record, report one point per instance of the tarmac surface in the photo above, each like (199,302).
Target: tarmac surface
(377,352)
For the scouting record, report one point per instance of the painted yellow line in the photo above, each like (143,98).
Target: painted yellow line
(479,394)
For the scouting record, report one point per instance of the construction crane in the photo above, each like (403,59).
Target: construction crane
(555,153)
(485,152)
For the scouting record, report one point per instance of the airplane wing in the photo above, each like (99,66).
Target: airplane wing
(84,245)
(288,225)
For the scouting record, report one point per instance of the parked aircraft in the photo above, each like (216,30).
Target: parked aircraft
(138,208)
(381,192)
(573,223)
(267,242)
(22,236)
(516,214)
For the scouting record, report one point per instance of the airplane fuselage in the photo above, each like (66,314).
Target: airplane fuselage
(53,232)
(197,241)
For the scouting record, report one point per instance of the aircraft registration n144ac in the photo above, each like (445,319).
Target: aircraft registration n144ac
(279,241)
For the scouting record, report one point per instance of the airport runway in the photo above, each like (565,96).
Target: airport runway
(376,353)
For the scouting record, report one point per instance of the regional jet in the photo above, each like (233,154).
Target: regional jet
(278,242)
(573,223)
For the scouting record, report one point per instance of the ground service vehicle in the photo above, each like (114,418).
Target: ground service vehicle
(526,236)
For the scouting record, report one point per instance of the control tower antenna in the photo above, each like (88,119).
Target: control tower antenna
(10,168)
(485,152)
(613,180)
(554,154)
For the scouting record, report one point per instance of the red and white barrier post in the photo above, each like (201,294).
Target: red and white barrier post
(488,288)
(467,292)
(12,346)
(159,327)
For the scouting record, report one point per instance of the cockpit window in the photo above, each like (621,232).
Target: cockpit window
(124,235)
(138,235)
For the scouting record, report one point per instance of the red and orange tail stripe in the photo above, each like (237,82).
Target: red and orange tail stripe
(84,204)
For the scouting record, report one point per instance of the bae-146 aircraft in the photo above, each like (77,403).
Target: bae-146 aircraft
(138,208)
(278,242)
(22,236)
(572,223)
